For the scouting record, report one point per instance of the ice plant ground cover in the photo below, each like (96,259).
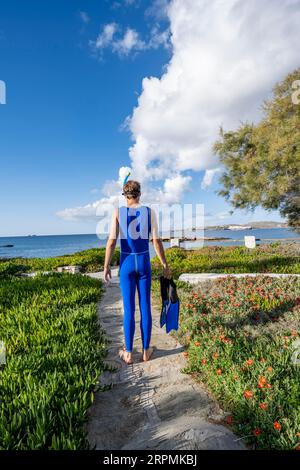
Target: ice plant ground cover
(275,258)
(54,356)
(241,337)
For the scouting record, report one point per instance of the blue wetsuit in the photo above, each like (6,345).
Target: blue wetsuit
(135,271)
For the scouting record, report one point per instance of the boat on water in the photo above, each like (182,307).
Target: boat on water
(239,227)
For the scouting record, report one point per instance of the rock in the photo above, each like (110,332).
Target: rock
(174,242)
(250,242)
(69,269)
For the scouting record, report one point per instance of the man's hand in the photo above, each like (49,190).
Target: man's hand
(107,274)
(167,271)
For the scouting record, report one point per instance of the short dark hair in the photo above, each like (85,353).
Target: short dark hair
(132,189)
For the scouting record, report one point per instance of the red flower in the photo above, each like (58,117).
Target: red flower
(263,406)
(203,362)
(219,371)
(257,432)
(249,362)
(277,426)
(248,394)
(197,343)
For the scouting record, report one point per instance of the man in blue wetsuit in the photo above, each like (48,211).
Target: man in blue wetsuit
(134,224)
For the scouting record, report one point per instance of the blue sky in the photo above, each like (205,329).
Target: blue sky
(60,136)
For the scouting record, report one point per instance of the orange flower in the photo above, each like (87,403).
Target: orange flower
(298,434)
(203,362)
(257,432)
(269,386)
(185,354)
(262,382)
(263,406)
(249,362)
(270,369)
(277,426)
(197,343)
(219,371)
(248,394)
(215,355)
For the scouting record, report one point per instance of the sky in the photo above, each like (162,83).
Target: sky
(96,87)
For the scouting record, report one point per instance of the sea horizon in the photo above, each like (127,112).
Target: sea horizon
(44,246)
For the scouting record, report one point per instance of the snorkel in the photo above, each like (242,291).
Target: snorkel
(126,178)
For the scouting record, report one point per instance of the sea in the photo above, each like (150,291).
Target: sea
(57,245)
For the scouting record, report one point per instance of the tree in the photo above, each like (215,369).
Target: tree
(262,161)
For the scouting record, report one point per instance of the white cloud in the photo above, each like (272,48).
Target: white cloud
(158,9)
(174,187)
(208,177)
(159,38)
(129,42)
(226,57)
(84,16)
(123,43)
(105,38)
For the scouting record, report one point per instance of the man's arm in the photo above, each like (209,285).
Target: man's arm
(111,245)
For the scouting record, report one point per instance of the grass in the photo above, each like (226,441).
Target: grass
(276,258)
(90,260)
(55,353)
(241,342)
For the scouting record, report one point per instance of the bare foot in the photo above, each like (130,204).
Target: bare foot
(126,356)
(147,353)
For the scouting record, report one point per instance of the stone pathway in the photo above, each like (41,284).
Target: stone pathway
(151,405)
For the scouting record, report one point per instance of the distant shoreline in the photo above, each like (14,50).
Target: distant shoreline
(254,225)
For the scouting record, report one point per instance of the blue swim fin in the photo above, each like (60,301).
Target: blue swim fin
(170,304)
(172,316)
(163,314)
